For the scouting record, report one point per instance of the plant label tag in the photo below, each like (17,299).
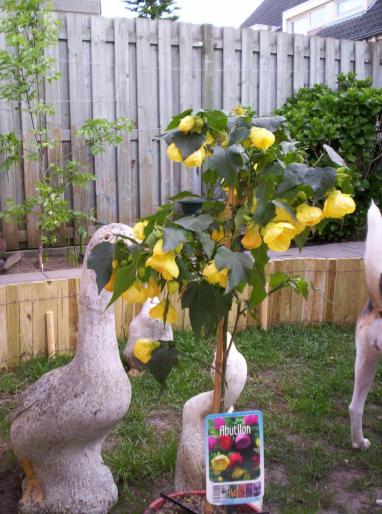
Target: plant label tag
(234,458)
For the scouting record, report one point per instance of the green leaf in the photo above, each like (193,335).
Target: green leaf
(187,143)
(277,280)
(163,360)
(207,243)
(237,135)
(320,180)
(125,277)
(217,120)
(182,195)
(257,277)
(176,119)
(302,238)
(294,175)
(239,265)
(301,286)
(227,161)
(271,123)
(207,305)
(273,168)
(172,237)
(265,211)
(101,260)
(195,223)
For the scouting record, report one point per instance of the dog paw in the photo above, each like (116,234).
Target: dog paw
(363,444)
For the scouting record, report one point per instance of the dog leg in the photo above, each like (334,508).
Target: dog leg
(365,367)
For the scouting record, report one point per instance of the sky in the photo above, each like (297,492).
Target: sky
(218,12)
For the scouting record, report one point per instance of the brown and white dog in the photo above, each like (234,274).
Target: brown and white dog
(369,327)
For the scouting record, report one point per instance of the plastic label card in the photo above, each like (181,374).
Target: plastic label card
(234,458)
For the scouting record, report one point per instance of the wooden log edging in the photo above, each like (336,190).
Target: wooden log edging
(337,296)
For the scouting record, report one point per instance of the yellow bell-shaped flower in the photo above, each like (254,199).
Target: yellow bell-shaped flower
(283,215)
(210,140)
(139,230)
(278,236)
(159,312)
(143,349)
(261,138)
(252,238)
(214,276)
(219,464)
(195,159)
(164,262)
(338,204)
(153,288)
(186,124)
(137,293)
(308,215)
(218,235)
(173,286)
(174,153)
(110,285)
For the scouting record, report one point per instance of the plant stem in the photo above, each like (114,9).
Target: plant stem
(221,337)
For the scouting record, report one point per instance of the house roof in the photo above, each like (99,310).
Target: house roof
(362,26)
(270,12)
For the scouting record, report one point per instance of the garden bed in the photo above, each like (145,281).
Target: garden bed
(301,379)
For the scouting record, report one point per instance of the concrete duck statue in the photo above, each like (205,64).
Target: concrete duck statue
(145,327)
(190,463)
(61,421)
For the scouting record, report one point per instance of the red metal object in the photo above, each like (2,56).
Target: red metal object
(159,502)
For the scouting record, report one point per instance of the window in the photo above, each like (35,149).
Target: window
(301,25)
(319,16)
(348,6)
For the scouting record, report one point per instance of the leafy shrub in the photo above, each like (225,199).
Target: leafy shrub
(350,121)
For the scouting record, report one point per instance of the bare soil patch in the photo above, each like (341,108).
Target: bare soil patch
(342,484)
(57,260)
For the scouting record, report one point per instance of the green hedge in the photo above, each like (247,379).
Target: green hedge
(348,119)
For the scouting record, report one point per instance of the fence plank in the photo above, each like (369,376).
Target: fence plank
(8,186)
(345,66)
(314,61)
(376,64)
(103,107)
(13,325)
(53,123)
(4,329)
(165,105)
(246,66)
(76,76)
(298,62)
(122,101)
(31,173)
(185,86)
(229,96)
(359,50)
(144,93)
(207,67)
(283,76)
(330,63)
(264,74)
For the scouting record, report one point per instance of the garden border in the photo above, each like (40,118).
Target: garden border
(338,296)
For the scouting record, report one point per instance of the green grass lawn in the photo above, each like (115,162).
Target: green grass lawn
(301,378)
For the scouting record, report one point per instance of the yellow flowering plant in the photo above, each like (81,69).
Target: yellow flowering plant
(269,199)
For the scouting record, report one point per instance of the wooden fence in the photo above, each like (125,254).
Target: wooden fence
(338,295)
(148,71)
